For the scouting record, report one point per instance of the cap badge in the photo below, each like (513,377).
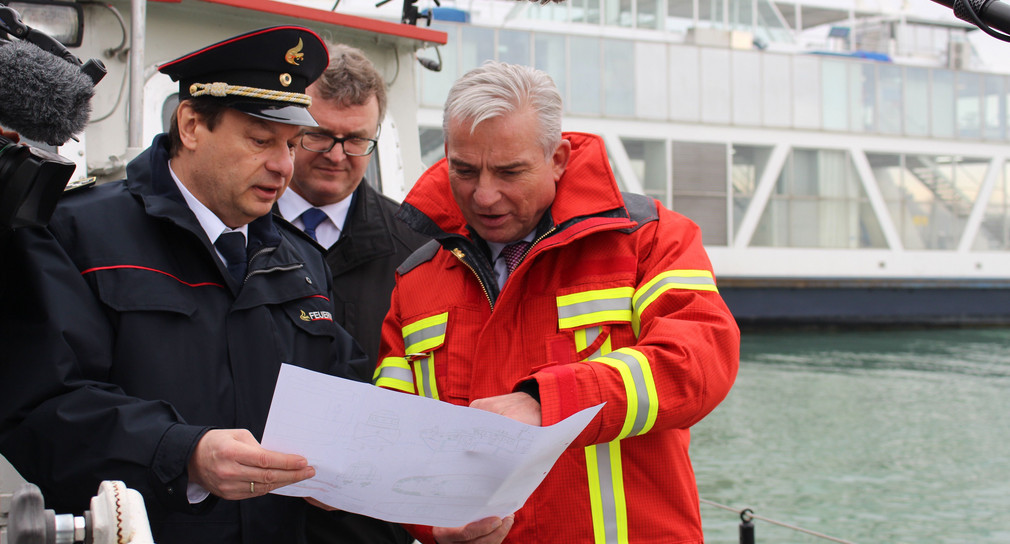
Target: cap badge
(295,55)
(285,80)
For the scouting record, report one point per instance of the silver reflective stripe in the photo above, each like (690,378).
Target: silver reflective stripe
(641,390)
(607,503)
(698,280)
(426,333)
(577,309)
(426,377)
(396,373)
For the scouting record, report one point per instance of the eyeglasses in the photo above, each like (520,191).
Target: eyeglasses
(354,146)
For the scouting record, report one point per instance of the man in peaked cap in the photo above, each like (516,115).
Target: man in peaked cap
(153,314)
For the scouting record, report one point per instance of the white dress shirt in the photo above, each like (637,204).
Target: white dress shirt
(291,206)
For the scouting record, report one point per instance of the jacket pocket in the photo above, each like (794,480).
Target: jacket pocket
(129,289)
(422,338)
(588,317)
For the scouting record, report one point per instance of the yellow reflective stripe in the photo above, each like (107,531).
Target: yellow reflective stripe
(606,493)
(595,500)
(605,348)
(694,280)
(426,334)
(640,388)
(424,376)
(585,338)
(592,307)
(394,373)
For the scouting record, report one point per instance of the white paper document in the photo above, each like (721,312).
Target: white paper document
(409,459)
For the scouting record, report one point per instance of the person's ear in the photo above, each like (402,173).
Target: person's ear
(559,160)
(188,122)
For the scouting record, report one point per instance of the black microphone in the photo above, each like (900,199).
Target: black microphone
(42,97)
(993,13)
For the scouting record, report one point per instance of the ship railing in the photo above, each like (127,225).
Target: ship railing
(747,517)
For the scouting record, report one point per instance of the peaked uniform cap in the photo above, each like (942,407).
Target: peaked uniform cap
(263,73)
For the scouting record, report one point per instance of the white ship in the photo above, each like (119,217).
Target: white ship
(846,164)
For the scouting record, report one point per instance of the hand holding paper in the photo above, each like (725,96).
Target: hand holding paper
(409,459)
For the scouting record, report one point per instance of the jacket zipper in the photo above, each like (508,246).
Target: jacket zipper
(462,258)
(549,232)
(262,251)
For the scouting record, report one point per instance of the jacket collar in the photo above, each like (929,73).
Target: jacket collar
(149,179)
(366,236)
(587,188)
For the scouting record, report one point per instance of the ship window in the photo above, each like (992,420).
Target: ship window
(929,197)
(889,85)
(585,11)
(549,55)
(776,98)
(584,64)
(685,93)
(432,145)
(969,107)
(835,94)
(994,232)
(476,46)
(942,103)
(995,107)
(806,92)
(648,162)
(514,47)
(715,92)
(619,78)
(618,12)
(699,187)
(168,110)
(746,70)
(819,201)
(916,104)
(434,86)
(748,166)
(648,14)
(863,97)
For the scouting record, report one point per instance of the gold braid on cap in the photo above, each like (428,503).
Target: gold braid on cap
(223,89)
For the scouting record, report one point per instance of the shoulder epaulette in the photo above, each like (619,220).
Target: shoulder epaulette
(79,184)
(420,256)
(641,209)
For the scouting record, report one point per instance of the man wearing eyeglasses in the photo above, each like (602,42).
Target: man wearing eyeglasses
(354,226)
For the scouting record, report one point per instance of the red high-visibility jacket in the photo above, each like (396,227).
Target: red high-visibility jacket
(617,303)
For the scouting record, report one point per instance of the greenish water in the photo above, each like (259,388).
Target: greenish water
(871,437)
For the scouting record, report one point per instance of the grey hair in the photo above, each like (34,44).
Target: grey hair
(495,89)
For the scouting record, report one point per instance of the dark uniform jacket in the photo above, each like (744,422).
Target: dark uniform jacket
(125,339)
(372,243)
(363,260)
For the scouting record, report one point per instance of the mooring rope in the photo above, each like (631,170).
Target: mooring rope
(750,513)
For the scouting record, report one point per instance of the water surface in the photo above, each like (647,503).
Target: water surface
(870,437)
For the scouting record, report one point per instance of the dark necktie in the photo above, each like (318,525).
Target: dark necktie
(232,247)
(311,218)
(513,254)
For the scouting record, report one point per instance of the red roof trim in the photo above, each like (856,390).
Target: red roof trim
(350,21)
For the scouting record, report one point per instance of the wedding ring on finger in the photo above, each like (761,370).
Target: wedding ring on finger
(252,487)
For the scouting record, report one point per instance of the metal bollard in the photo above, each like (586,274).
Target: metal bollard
(746,527)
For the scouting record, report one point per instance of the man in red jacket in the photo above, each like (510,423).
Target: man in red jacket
(556,292)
